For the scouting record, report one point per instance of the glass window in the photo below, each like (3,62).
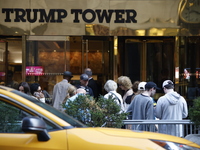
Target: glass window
(52,55)
(11,115)
(189,68)
(11,118)
(54,111)
(160,60)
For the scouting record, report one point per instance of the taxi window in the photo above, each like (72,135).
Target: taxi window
(62,115)
(11,119)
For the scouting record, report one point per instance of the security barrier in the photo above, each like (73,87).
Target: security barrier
(181,127)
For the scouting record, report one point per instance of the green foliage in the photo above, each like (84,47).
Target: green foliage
(95,114)
(194,112)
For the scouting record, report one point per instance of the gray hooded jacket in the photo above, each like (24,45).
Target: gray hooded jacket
(171,106)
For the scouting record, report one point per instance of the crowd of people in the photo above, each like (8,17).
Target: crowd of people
(137,98)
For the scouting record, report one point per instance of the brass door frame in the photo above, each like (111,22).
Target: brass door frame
(84,51)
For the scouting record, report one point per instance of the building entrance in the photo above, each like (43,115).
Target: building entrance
(53,55)
(10,60)
(148,58)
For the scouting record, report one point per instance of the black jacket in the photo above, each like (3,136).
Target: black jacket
(93,85)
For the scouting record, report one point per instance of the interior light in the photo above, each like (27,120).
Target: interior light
(115,45)
(18,61)
(54,50)
(177,72)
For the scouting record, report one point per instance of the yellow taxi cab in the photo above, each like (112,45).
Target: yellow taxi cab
(27,124)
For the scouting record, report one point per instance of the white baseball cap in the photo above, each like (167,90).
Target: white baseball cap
(167,82)
(141,85)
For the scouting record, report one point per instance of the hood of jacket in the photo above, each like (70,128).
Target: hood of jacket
(172,97)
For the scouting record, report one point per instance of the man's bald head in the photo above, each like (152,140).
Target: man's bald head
(88,71)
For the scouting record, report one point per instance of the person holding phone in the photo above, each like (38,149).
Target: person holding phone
(36,92)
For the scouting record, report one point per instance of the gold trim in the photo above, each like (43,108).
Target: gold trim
(181,12)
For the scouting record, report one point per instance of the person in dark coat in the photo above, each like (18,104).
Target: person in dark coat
(92,83)
(84,84)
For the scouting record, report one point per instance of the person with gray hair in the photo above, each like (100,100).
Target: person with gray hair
(111,87)
(171,106)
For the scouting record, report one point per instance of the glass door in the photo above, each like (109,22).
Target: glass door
(3,60)
(97,54)
(189,77)
(49,56)
(10,61)
(149,59)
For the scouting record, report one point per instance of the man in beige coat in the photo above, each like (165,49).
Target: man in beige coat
(60,90)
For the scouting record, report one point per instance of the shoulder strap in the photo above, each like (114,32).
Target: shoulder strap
(116,97)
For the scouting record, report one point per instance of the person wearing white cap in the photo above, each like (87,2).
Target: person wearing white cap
(140,89)
(171,106)
(141,86)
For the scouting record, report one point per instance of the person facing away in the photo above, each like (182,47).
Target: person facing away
(142,105)
(60,90)
(125,84)
(84,84)
(141,89)
(138,88)
(135,89)
(111,87)
(71,91)
(24,88)
(171,106)
(36,92)
(92,83)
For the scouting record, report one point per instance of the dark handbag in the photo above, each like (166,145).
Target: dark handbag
(129,98)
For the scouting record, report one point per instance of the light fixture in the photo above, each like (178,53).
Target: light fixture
(115,45)
(54,50)
(18,61)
